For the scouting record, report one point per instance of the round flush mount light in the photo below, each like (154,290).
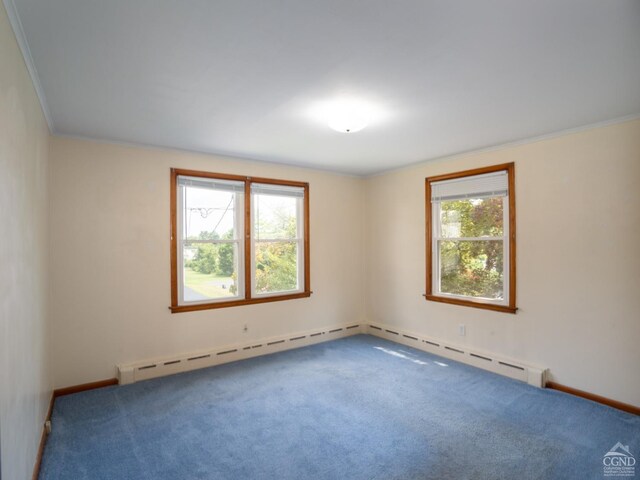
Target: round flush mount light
(348,119)
(345,114)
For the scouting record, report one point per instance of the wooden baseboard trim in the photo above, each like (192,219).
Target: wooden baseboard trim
(36,466)
(43,440)
(59,392)
(595,398)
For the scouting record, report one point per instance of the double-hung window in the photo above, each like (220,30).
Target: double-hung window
(471,238)
(237,240)
(277,237)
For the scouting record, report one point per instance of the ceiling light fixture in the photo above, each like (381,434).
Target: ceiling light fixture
(345,115)
(347,119)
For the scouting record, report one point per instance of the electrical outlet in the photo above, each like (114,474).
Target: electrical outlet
(462,330)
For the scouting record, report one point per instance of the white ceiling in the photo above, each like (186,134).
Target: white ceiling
(239,77)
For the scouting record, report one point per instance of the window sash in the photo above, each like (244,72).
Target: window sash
(239,285)
(437,261)
(299,240)
(238,226)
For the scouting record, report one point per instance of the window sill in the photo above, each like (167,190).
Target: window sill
(237,303)
(468,303)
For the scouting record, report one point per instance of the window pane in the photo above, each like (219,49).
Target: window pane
(276,217)
(474,217)
(209,214)
(472,268)
(210,271)
(276,266)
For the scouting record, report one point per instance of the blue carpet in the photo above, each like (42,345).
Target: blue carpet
(354,408)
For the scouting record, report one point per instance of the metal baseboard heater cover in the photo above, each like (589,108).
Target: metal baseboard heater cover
(144,370)
(531,374)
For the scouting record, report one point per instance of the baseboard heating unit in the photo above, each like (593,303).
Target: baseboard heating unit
(531,374)
(144,370)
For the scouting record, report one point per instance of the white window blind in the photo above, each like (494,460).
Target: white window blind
(477,186)
(211,184)
(279,190)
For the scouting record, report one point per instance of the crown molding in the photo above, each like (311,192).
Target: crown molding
(18,31)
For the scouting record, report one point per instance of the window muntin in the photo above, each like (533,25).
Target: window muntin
(469,259)
(237,240)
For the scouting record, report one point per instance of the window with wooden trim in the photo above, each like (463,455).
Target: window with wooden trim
(237,240)
(471,249)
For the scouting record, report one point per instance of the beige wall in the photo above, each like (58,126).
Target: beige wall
(578,259)
(25,380)
(110,262)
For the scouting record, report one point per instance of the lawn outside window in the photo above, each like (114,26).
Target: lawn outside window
(471,238)
(237,240)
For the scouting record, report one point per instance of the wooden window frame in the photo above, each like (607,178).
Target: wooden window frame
(248,298)
(430,296)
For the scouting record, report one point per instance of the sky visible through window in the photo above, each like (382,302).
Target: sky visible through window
(208,210)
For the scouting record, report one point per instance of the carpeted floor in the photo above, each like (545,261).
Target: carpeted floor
(355,408)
